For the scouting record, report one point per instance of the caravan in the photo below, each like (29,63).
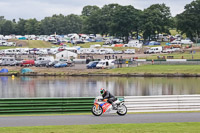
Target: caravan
(134,43)
(153,50)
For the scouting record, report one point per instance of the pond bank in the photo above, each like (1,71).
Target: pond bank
(137,71)
(105,74)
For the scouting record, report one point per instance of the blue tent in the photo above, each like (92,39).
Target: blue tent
(4,70)
(26,70)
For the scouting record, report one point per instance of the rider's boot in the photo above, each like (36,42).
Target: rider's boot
(114,105)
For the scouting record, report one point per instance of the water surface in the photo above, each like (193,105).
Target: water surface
(30,87)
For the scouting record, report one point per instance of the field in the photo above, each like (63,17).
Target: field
(190,127)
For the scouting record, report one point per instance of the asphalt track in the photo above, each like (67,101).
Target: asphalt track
(13,121)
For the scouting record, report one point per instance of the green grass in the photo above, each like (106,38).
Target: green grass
(177,55)
(6,47)
(38,44)
(157,69)
(189,127)
(87,45)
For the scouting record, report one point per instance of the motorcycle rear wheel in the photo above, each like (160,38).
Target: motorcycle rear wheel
(122,110)
(97,112)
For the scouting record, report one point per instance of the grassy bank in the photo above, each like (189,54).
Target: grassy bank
(6,47)
(158,69)
(177,55)
(143,69)
(190,127)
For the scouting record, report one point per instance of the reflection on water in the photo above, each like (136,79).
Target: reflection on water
(22,87)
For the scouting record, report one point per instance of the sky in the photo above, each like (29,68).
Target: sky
(39,9)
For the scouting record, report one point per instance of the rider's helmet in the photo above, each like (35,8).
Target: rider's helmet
(102,91)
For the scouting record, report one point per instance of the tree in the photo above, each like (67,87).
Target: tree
(73,24)
(156,19)
(20,27)
(7,28)
(124,21)
(2,21)
(188,21)
(88,10)
(32,26)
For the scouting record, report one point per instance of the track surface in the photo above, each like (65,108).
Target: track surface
(13,121)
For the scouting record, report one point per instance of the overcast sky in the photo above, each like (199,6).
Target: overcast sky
(15,9)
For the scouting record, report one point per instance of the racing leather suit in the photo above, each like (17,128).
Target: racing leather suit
(109,96)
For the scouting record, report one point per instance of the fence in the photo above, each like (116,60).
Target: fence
(45,105)
(163,103)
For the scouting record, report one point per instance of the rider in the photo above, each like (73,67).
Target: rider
(107,95)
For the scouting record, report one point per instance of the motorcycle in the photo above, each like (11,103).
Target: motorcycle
(102,106)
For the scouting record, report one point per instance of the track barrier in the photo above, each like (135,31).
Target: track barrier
(83,105)
(45,105)
(163,103)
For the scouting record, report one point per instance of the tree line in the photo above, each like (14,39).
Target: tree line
(113,19)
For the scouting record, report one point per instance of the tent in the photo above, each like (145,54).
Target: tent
(119,45)
(26,70)
(22,38)
(4,70)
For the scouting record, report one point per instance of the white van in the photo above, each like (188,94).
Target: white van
(106,64)
(154,50)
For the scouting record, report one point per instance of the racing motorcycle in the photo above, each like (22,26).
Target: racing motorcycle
(102,106)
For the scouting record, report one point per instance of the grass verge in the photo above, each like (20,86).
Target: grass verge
(189,127)
(157,69)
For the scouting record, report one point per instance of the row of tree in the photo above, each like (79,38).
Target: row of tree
(113,19)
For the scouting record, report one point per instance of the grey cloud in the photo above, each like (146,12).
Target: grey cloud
(39,9)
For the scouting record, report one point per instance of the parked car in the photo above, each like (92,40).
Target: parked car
(27,63)
(92,64)
(60,64)
(41,63)
(52,63)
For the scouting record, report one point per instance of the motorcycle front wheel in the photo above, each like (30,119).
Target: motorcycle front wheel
(122,110)
(97,111)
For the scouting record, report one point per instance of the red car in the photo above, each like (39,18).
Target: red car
(28,63)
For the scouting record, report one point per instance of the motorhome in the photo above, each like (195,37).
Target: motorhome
(106,64)
(8,61)
(134,43)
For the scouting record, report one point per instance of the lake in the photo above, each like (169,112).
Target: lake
(32,87)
